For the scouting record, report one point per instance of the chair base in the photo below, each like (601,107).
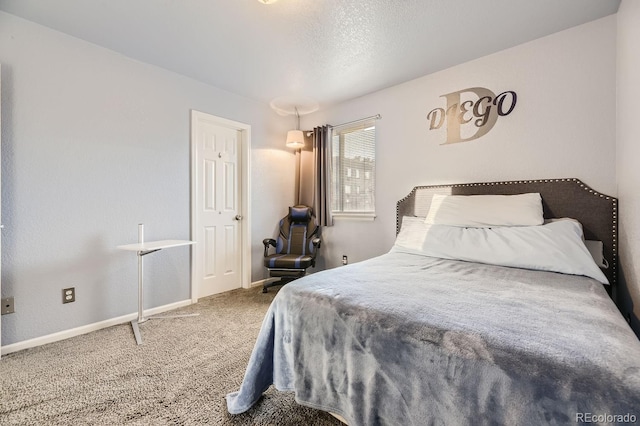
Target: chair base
(286,276)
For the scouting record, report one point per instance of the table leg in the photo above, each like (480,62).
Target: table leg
(136,331)
(140,288)
(141,318)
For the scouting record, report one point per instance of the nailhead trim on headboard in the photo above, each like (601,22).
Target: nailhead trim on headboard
(614,201)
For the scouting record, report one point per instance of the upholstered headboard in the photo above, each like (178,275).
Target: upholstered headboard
(598,213)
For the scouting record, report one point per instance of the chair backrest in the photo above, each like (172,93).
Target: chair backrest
(297,231)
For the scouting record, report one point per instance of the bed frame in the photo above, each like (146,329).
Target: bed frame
(598,213)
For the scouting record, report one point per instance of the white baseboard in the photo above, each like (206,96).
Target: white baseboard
(61,335)
(262,282)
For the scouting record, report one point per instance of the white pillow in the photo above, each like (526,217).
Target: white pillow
(413,233)
(482,211)
(555,246)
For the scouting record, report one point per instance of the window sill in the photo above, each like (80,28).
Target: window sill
(355,216)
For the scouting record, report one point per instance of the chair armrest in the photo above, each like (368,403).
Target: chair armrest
(316,243)
(268,242)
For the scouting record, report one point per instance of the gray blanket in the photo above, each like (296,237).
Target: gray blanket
(403,339)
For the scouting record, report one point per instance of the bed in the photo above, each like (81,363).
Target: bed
(414,338)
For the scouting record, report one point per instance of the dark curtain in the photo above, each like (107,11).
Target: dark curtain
(322,175)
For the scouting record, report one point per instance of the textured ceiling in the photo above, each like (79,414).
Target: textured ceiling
(328,50)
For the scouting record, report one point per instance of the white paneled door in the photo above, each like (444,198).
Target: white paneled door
(217,146)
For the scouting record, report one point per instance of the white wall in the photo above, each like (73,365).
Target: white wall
(563,126)
(93,144)
(628,154)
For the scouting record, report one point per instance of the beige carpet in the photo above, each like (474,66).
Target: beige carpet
(179,376)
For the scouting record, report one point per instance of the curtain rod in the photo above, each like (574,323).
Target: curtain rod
(373,117)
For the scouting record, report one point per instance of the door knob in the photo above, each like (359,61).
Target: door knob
(238,217)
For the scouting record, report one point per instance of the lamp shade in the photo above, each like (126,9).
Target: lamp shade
(295,139)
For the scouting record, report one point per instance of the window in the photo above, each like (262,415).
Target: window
(353,166)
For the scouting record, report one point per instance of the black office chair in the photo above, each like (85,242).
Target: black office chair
(295,249)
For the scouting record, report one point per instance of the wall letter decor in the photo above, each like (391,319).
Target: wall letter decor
(481,113)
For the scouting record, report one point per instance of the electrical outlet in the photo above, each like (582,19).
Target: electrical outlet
(7,306)
(345,259)
(68,295)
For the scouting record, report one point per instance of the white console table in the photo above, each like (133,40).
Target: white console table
(142,249)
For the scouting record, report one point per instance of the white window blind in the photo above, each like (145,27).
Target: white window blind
(353,166)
